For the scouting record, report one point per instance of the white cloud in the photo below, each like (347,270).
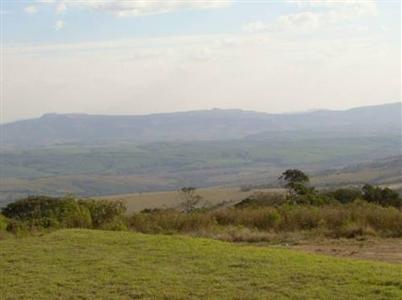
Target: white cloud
(255,26)
(321,15)
(350,7)
(31,9)
(297,22)
(61,7)
(59,25)
(263,72)
(260,71)
(300,21)
(135,8)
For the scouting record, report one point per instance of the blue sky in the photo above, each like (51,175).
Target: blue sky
(135,57)
(83,24)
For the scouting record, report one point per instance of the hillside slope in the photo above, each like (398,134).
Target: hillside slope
(386,171)
(122,265)
(106,155)
(216,124)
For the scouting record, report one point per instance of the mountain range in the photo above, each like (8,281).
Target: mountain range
(205,125)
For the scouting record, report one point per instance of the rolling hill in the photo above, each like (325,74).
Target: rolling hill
(107,155)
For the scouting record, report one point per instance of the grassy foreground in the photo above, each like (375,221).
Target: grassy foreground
(90,264)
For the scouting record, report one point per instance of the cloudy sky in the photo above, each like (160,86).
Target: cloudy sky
(148,56)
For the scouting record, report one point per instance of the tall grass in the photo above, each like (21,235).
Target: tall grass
(241,223)
(337,220)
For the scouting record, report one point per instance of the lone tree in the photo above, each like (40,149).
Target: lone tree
(189,198)
(296,183)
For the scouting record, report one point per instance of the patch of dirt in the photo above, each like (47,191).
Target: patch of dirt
(386,250)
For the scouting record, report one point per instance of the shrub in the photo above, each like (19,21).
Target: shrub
(311,199)
(47,212)
(387,221)
(334,220)
(3,223)
(300,218)
(104,213)
(262,199)
(345,195)
(19,228)
(335,217)
(117,224)
(170,221)
(33,207)
(382,196)
(67,212)
(266,218)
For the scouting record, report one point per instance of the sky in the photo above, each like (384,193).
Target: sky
(153,56)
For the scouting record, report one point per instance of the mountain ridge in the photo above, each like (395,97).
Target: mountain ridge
(215,124)
(314,111)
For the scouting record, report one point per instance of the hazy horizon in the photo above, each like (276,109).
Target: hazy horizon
(133,58)
(202,109)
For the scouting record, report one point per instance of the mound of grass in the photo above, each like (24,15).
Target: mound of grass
(88,264)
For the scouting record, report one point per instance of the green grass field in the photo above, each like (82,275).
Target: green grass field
(87,264)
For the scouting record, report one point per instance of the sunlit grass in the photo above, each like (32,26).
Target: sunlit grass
(89,264)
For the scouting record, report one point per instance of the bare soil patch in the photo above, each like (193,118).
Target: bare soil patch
(386,250)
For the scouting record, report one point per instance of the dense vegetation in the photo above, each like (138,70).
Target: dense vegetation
(67,212)
(345,212)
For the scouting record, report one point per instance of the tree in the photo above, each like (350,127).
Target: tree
(189,198)
(382,196)
(345,195)
(296,183)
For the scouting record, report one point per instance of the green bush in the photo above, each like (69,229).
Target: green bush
(3,223)
(117,224)
(345,195)
(19,228)
(262,199)
(48,212)
(66,212)
(382,196)
(104,213)
(312,199)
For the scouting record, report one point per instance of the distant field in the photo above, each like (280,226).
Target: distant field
(211,196)
(85,264)
(120,169)
(385,172)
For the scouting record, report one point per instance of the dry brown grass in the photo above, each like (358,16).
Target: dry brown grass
(211,197)
(264,223)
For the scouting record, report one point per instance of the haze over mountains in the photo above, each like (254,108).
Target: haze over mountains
(216,124)
(101,155)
